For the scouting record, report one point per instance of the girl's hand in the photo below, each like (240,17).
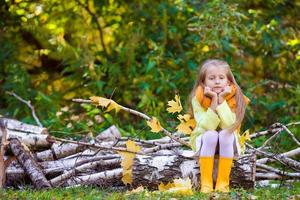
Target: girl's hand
(214,97)
(222,95)
(208,92)
(226,91)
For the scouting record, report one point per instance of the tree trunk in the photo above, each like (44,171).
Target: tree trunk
(150,171)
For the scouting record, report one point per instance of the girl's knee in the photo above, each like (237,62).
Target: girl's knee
(210,137)
(226,138)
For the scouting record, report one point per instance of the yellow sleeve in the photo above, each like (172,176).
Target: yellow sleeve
(205,120)
(226,116)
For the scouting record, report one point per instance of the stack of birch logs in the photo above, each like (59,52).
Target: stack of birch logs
(30,157)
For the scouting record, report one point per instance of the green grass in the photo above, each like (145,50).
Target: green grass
(87,193)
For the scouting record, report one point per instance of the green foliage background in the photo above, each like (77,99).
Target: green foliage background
(141,53)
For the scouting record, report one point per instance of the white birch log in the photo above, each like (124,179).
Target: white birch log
(279,172)
(60,179)
(273,176)
(112,133)
(29,165)
(29,139)
(16,125)
(58,151)
(150,171)
(67,164)
(112,176)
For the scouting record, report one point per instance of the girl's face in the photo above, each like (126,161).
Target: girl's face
(216,78)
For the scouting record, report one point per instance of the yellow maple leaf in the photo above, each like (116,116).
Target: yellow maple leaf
(243,138)
(100,101)
(106,103)
(183,183)
(127,157)
(179,186)
(136,190)
(113,105)
(127,160)
(174,106)
(187,124)
(131,146)
(163,187)
(127,176)
(185,117)
(154,125)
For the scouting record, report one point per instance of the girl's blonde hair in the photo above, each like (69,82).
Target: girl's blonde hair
(239,97)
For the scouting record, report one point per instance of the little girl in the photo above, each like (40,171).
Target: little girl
(218,106)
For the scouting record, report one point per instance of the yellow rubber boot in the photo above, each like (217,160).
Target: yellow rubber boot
(224,170)
(206,170)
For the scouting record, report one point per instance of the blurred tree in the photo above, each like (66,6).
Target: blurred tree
(142,52)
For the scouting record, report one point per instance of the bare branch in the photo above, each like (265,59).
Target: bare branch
(273,176)
(293,123)
(106,175)
(142,115)
(163,146)
(274,128)
(53,139)
(59,179)
(282,159)
(282,173)
(28,103)
(291,134)
(291,153)
(268,140)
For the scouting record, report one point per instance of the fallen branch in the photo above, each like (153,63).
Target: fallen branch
(18,126)
(268,140)
(30,166)
(273,129)
(28,103)
(272,176)
(59,179)
(111,133)
(291,134)
(142,115)
(115,174)
(280,158)
(282,173)
(161,147)
(30,139)
(58,151)
(93,145)
(291,153)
